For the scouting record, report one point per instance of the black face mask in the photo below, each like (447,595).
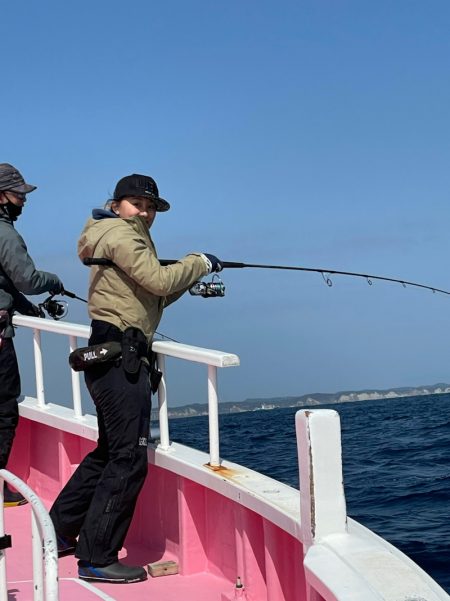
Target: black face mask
(13,210)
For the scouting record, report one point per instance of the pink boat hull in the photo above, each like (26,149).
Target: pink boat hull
(213,539)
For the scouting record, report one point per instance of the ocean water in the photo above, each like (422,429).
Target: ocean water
(396,462)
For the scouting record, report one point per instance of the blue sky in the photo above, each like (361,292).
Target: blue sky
(299,133)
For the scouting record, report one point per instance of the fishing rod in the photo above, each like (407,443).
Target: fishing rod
(73,295)
(215,288)
(327,272)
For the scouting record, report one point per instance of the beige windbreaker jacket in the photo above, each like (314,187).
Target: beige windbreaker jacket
(136,290)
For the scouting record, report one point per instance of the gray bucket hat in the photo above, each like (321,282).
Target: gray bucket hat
(11,180)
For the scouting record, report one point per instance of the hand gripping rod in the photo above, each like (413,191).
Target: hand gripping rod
(324,272)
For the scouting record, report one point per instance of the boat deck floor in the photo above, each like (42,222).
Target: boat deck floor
(199,587)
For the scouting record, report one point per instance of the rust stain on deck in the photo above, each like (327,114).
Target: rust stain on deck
(225,472)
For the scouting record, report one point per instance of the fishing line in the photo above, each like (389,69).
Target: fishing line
(57,311)
(166,337)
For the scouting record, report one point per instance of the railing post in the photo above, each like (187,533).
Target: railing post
(40,395)
(76,391)
(322,499)
(164,441)
(3,581)
(213,411)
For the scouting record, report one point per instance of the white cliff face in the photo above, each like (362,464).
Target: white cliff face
(311,401)
(367,395)
(390,394)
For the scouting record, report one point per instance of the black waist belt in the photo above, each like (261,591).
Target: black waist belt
(108,343)
(132,338)
(103,331)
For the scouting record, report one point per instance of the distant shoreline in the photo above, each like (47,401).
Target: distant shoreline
(306,400)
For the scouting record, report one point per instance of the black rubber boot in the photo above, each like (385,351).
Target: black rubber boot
(12,499)
(116,572)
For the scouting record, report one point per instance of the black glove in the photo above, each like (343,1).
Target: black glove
(56,286)
(36,311)
(25,307)
(216,264)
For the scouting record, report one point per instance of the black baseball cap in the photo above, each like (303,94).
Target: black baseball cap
(11,180)
(140,185)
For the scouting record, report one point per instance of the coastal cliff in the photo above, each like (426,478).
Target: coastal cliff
(307,400)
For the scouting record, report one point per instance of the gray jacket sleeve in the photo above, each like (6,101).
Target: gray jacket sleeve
(19,267)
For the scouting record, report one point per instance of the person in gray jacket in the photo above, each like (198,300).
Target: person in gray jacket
(18,276)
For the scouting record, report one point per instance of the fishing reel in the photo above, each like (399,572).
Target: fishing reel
(57,309)
(210,289)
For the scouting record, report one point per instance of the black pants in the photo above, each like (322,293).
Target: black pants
(98,502)
(9,392)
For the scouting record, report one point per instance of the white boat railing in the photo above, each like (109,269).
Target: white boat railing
(213,359)
(45,550)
